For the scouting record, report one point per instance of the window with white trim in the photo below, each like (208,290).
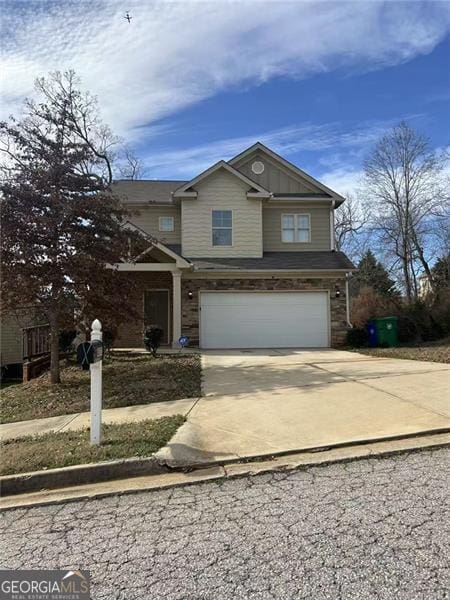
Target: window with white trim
(222,228)
(296,228)
(166,224)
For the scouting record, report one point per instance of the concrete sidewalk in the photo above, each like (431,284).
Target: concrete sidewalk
(126,414)
(261,402)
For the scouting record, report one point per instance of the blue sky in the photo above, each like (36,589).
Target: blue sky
(188,83)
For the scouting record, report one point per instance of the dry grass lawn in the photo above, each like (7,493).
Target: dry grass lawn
(53,450)
(127,380)
(431,351)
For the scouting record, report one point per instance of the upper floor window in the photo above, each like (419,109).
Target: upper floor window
(296,228)
(222,228)
(165,223)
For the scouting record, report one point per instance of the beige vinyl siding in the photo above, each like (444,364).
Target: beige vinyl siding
(147,218)
(11,326)
(320,228)
(275,177)
(222,191)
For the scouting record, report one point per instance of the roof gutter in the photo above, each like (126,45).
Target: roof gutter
(347,298)
(332,238)
(268,271)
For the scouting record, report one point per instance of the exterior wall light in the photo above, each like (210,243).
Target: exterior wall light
(190,295)
(338,293)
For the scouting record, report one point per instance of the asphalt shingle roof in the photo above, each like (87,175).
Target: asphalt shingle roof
(290,261)
(146,191)
(301,195)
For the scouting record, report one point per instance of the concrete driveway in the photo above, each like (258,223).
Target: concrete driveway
(259,402)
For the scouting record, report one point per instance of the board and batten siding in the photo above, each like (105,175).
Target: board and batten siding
(320,229)
(221,191)
(275,177)
(147,218)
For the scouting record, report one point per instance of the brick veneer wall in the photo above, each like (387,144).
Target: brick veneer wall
(130,332)
(190,312)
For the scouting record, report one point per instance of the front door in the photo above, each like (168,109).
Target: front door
(156,311)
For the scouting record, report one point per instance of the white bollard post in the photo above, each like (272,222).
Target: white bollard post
(96,389)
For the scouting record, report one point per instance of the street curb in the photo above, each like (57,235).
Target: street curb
(79,475)
(138,473)
(166,478)
(174,465)
(22,483)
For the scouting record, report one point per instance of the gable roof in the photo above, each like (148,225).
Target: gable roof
(290,167)
(155,243)
(183,190)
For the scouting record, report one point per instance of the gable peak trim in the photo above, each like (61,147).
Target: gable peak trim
(259,146)
(184,190)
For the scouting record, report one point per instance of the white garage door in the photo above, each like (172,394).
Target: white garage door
(264,320)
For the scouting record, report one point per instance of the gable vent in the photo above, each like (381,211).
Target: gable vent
(258,167)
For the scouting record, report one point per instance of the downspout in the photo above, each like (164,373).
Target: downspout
(332,239)
(347,298)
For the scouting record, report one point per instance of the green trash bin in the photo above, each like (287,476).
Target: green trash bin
(387,329)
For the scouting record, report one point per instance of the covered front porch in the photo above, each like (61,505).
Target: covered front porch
(154,278)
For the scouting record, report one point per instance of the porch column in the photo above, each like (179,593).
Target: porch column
(176,307)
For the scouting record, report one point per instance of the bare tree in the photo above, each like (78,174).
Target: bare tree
(130,165)
(404,185)
(349,221)
(61,93)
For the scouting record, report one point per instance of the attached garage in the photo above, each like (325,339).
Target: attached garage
(264,319)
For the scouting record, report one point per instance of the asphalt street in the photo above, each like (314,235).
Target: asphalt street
(372,528)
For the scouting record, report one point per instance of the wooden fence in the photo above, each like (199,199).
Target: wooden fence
(35,351)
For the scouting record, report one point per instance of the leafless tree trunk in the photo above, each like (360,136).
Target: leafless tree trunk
(55,376)
(404,186)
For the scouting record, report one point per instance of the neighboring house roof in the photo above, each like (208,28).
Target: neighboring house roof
(146,191)
(291,167)
(183,190)
(274,261)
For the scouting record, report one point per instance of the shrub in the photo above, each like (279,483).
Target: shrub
(152,339)
(440,309)
(368,305)
(109,335)
(420,314)
(357,337)
(407,330)
(66,337)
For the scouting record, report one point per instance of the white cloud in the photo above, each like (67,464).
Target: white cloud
(173,54)
(345,180)
(298,143)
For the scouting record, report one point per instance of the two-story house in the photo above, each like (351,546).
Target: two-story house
(241,256)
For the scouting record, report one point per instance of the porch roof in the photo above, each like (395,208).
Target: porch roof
(274,261)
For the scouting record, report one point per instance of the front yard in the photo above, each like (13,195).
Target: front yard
(127,381)
(67,448)
(438,351)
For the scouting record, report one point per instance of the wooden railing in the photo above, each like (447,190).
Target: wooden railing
(36,342)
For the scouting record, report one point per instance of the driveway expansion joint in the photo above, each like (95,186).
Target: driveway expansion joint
(363,381)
